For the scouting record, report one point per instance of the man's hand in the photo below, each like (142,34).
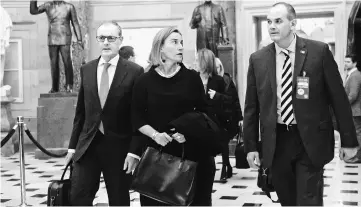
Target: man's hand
(68,157)
(347,153)
(130,163)
(253,160)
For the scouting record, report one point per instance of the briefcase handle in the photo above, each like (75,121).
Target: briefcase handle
(66,168)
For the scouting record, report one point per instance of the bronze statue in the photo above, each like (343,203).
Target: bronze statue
(354,32)
(60,14)
(210,21)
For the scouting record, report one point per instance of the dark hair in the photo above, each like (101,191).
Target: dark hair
(291,13)
(353,57)
(126,52)
(112,23)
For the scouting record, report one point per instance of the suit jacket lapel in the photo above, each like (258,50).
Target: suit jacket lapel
(120,74)
(93,81)
(301,52)
(271,68)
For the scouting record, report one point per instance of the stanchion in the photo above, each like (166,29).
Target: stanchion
(20,121)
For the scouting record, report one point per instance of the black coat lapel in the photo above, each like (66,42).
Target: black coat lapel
(120,73)
(271,67)
(301,52)
(93,81)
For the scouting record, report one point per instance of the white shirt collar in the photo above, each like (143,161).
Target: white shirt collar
(351,71)
(291,48)
(113,61)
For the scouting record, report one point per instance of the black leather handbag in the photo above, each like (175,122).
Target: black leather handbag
(164,177)
(59,190)
(239,153)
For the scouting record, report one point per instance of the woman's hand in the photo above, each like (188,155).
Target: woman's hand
(179,137)
(211,93)
(162,139)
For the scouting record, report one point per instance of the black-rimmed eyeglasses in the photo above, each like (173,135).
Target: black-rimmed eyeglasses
(109,38)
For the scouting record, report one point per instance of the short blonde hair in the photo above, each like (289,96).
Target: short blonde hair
(207,61)
(155,57)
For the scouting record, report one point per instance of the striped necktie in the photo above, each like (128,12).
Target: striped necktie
(286,91)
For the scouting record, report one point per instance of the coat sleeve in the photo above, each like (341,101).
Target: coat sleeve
(79,115)
(339,100)
(251,112)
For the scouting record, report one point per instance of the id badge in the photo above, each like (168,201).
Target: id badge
(303,88)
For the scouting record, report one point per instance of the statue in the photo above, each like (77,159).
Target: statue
(5,29)
(354,32)
(210,21)
(60,14)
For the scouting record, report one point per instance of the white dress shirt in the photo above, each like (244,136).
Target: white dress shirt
(280,59)
(111,71)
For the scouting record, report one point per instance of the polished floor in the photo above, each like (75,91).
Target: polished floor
(342,184)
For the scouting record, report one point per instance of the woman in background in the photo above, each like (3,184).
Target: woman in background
(214,88)
(232,117)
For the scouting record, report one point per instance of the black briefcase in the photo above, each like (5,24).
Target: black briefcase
(59,190)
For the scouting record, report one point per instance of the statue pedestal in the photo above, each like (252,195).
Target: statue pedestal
(226,55)
(55,115)
(7,123)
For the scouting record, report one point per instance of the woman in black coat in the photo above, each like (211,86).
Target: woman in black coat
(166,92)
(214,88)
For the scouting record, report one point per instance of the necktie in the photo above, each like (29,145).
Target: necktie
(286,91)
(104,90)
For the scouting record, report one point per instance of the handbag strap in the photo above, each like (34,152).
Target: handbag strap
(66,168)
(183,158)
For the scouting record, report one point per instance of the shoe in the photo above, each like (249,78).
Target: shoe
(224,173)
(229,171)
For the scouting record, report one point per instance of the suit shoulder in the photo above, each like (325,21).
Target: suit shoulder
(314,43)
(357,74)
(133,65)
(261,52)
(90,63)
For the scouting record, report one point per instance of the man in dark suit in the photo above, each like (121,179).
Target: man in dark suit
(102,128)
(60,15)
(291,85)
(353,91)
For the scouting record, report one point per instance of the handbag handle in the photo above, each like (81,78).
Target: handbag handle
(66,168)
(161,149)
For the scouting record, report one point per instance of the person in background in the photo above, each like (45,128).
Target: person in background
(231,118)
(291,85)
(214,88)
(353,91)
(163,94)
(127,52)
